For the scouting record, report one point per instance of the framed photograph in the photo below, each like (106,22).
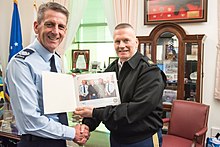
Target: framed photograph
(111,59)
(169,96)
(97,90)
(170,68)
(95,66)
(100,89)
(80,59)
(179,11)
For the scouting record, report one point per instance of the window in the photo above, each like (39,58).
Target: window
(93,34)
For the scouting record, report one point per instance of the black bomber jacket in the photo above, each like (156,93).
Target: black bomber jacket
(138,117)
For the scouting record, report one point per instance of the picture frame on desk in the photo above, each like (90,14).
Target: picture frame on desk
(179,11)
(169,96)
(95,66)
(111,59)
(80,59)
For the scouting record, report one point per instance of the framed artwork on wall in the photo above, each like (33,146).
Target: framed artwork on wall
(80,59)
(179,11)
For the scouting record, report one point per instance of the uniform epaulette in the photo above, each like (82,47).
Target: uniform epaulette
(149,61)
(23,54)
(57,54)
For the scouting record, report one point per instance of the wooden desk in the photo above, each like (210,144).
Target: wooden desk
(8,139)
(9,135)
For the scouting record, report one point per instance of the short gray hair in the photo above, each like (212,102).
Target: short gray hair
(51,6)
(123,25)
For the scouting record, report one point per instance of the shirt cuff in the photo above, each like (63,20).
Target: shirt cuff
(69,133)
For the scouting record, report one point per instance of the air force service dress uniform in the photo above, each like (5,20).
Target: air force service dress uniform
(24,83)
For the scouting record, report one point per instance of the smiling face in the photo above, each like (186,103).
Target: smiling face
(51,30)
(125,43)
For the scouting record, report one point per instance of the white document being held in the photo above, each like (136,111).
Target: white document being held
(64,92)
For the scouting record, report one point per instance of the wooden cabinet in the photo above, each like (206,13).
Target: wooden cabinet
(180,56)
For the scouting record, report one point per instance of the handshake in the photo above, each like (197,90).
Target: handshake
(82,131)
(82,134)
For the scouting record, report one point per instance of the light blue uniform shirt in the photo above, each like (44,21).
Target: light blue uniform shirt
(24,83)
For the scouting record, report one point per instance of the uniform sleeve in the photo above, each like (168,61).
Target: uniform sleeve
(92,123)
(25,104)
(146,98)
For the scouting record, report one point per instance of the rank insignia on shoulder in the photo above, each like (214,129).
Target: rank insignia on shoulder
(151,62)
(23,54)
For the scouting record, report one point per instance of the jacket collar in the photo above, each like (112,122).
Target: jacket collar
(134,60)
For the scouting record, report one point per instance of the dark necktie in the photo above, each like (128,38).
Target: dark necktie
(52,64)
(84,89)
(62,116)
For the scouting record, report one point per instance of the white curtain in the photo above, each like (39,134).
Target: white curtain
(126,11)
(123,10)
(217,73)
(109,12)
(34,18)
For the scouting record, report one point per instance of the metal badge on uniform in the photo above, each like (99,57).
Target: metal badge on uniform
(23,54)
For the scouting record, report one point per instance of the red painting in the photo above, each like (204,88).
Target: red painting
(158,11)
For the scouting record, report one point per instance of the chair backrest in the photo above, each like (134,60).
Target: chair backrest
(187,118)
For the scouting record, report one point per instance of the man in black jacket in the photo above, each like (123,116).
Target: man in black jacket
(136,122)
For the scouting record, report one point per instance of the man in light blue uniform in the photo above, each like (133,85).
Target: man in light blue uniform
(24,83)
